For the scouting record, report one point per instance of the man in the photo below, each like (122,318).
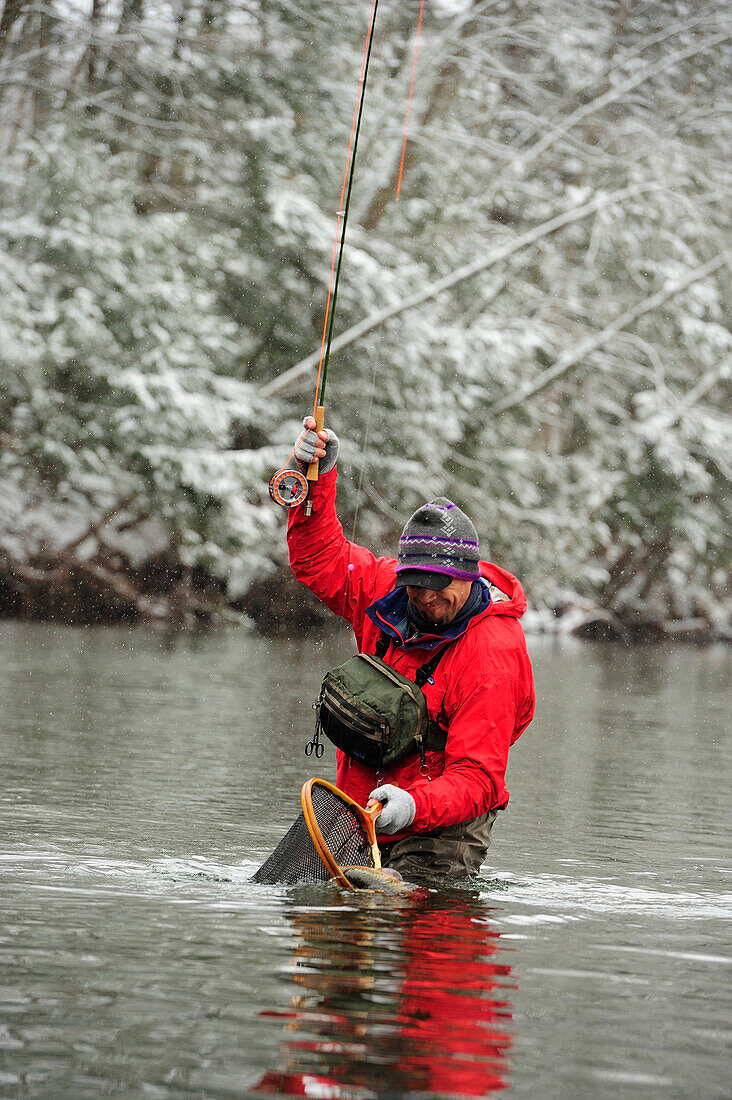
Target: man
(438,597)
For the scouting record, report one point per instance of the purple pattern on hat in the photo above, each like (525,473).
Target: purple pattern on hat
(443,570)
(407,540)
(421,556)
(440,538)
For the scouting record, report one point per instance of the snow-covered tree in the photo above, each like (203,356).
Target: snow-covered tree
(539,325)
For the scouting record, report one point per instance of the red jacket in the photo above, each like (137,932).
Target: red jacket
(483,691)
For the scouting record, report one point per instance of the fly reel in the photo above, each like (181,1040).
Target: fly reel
(288,488)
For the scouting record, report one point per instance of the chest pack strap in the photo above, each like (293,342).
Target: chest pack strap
(425,672)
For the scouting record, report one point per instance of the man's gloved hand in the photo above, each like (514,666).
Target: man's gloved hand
(313,446)
(399,808)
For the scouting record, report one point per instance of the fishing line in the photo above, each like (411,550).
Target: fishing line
(367,433)
(411,96)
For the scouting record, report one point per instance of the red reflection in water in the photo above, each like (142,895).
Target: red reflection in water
(396,997)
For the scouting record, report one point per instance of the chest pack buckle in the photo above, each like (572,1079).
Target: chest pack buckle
(374,713)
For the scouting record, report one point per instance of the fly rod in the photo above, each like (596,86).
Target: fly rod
(289,487)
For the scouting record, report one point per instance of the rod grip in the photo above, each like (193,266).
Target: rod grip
(312,474)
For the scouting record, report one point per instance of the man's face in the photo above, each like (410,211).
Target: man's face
(440,606)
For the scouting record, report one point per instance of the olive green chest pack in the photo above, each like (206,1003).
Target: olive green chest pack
(374,713)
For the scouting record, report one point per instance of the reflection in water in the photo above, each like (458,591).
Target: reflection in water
(402,996)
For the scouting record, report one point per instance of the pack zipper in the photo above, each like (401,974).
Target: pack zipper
(355,716)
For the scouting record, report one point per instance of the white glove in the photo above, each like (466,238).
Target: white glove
(306,448)
(399,808)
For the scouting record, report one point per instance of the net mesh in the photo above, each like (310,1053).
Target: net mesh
(295,859)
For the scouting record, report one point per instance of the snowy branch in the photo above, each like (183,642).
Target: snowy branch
(302,369)
(572,359)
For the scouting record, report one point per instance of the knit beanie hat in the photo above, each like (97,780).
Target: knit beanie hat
(438,543)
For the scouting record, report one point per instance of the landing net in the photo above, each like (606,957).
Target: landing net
(297,858)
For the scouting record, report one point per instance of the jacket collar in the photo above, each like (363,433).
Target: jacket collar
(390,614)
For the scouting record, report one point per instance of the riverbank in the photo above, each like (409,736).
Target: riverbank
(163,593)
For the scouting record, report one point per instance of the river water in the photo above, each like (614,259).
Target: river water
(143,781)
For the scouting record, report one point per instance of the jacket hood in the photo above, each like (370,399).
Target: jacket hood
(510,598)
